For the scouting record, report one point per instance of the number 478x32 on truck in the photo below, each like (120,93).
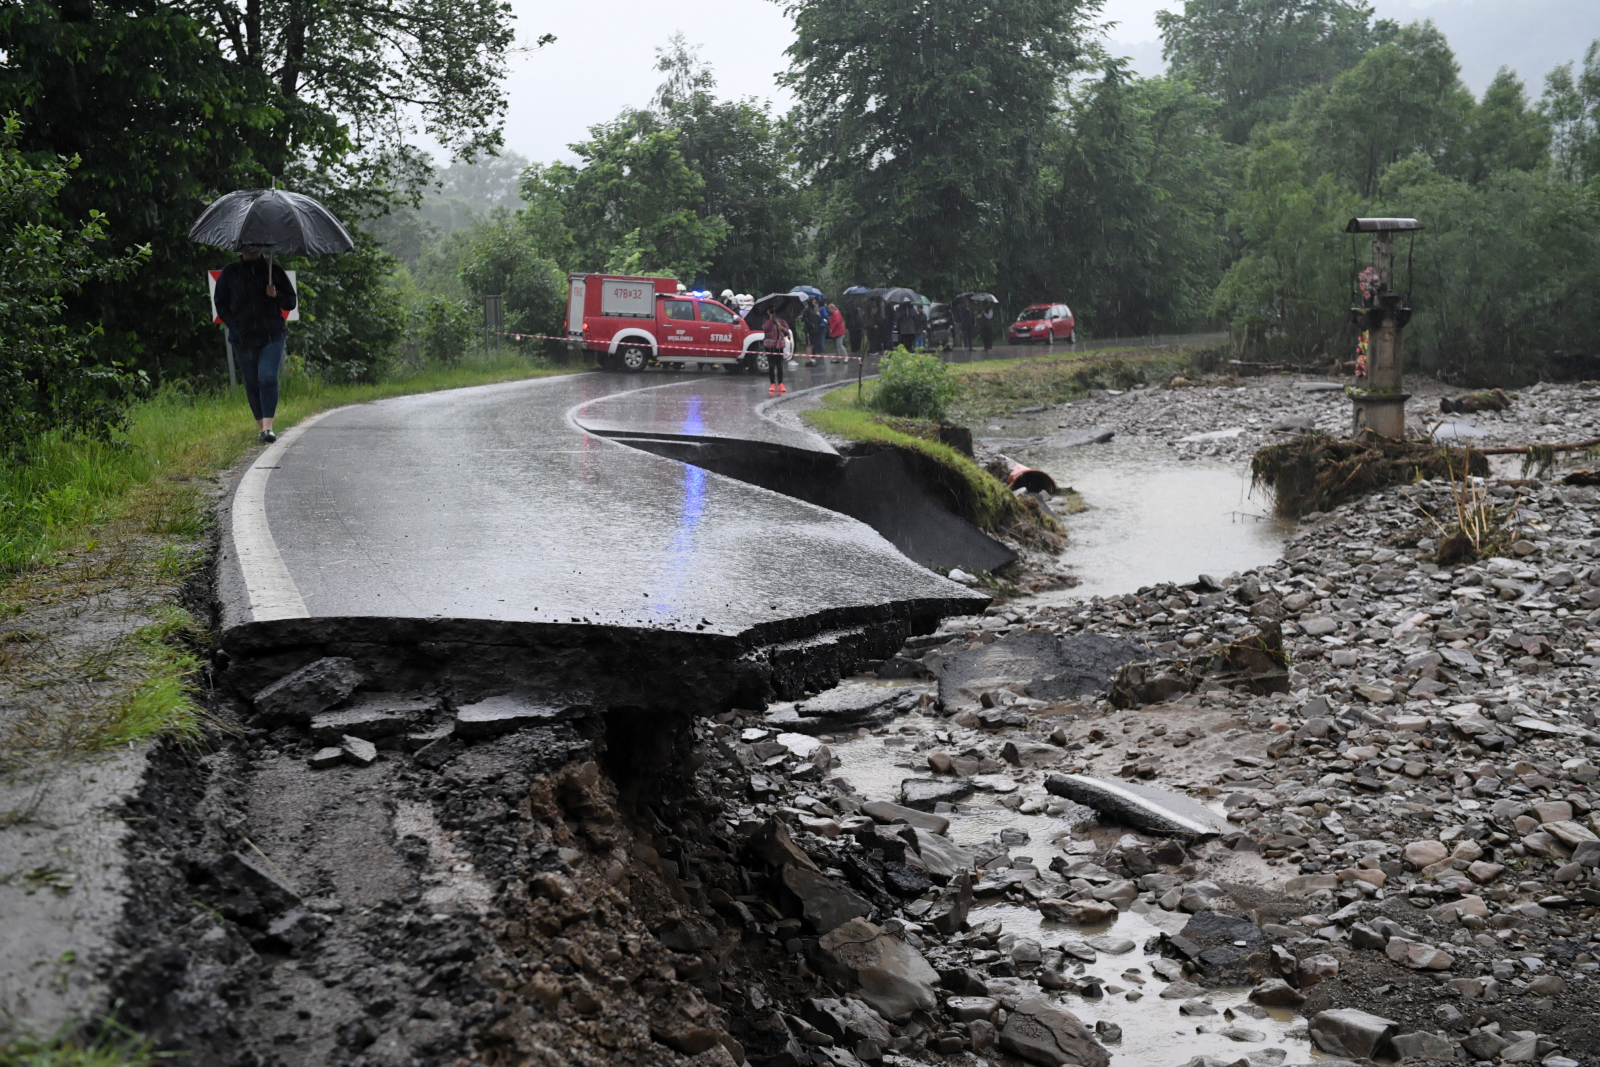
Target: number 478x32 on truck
(633,323)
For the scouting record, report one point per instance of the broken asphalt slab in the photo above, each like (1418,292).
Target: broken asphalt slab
(1139,806)
(1056,668)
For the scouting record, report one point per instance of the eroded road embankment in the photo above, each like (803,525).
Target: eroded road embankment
(450,811)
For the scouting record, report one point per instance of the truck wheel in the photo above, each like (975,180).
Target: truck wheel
(759,361)
(632,358)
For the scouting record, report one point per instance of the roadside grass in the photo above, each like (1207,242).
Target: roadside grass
(981,498)
(97,541)
(118,1047)
(998,386)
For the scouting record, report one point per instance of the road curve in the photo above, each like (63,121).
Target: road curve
(409,529)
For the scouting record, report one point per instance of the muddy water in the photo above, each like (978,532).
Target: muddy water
(1154,1033)
(1155,518)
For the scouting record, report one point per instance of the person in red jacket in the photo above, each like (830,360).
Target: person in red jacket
(836,330)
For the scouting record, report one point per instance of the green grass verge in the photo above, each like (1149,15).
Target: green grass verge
(118,1047)
(54,498)
(997,386)
(983,499)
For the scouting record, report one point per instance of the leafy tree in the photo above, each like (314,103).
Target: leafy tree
(1254,56)
(46,380)
(504,257)
(1405,96)
(634,190)
(916,120)
(1289,288)
(1133,188)
(742,155)
(1502,132)
(1571,105)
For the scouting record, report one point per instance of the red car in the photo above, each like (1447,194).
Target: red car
(1042,322)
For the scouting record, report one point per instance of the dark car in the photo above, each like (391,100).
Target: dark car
(1042,322)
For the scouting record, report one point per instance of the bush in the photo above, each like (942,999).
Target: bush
(914,385)
(444,329)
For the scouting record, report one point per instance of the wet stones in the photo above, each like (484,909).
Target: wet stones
(889,974)
(251,893)
(886,812)
(1276,993)
(1218,945)
(294,698)
(1054,668)
(1042,1032)
(923,794)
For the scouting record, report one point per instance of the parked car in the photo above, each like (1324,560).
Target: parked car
(941,329)
(1042,322)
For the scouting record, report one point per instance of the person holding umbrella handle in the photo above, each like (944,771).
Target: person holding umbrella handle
(252,295)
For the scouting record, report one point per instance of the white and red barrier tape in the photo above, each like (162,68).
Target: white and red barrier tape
(676,350)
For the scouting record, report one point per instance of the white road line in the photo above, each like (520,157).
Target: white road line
(273,594)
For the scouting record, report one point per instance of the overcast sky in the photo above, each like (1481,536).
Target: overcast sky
(604,57)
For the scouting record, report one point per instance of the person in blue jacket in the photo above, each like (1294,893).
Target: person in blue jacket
(252,295)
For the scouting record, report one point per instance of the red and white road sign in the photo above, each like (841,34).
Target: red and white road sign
(288,316)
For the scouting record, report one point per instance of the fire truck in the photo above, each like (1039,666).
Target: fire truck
(634,323)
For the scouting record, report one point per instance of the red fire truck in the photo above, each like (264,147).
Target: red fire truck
(633,323)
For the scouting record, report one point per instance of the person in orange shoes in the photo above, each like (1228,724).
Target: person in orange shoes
(775,343)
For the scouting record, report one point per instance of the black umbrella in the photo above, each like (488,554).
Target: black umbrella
(274,222)
(900,296)
(787,305)
(978,298)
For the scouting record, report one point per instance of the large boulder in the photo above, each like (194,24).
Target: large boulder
(1045,1033)
(1352,1033)
(824,904)
(886,972)
(943,857)
(923,794)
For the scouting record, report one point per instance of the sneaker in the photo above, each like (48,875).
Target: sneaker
(783,388)
(772,390)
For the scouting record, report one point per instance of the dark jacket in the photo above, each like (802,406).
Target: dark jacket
(253,318)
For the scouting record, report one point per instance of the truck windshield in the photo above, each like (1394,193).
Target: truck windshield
(710,312)
(680,309)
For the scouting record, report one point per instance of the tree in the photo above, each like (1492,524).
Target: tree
(1133,192)
(46,380)
(916,121)
(1500,133)
(742,155)
(504,257)
(1404,97)
(634,190)
(1571,105)
(1254,56)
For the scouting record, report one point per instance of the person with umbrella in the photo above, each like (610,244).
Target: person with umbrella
(775,337)
(252,292)
(252,295)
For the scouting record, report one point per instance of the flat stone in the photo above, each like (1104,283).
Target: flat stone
(1423,853)
(318,686)
(1318,626)
(508,712)
(251,893)
(1569,832)
(359,751)
(846,1020)
(886,812)
(1352,1033)
(1078,913)
(924,793)
(943,857)
(825,904)
(373,715)
(1320,387)
(843,708)
(1110,944)
(1218,944)
(1051,667)
(1240,1033)
(298,928)
(889,974)
(323,758)
(1045,1033)
(1423,1045)
(1140,807)
(1276,993)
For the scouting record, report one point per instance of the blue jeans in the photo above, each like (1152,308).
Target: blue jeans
(259,368)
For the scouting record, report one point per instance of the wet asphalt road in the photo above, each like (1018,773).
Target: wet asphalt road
(494,504)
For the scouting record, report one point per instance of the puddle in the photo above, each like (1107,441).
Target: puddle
(1155,518)
(1154,1033)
